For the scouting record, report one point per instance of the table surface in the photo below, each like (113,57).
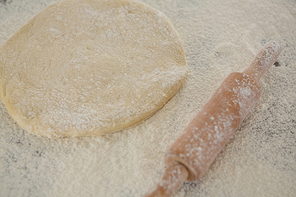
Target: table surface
(219,37)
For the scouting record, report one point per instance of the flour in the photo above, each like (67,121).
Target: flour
(219,38)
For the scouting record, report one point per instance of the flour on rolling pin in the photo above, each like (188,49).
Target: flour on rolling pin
(199,144)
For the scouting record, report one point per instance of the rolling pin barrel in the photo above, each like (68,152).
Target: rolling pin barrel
(202,140)
(205,136)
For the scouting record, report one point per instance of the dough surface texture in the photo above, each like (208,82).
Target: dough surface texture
(90,67)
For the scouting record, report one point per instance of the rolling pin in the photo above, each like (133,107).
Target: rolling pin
(205,136)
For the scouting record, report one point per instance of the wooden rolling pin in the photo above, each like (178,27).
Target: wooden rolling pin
(199,144)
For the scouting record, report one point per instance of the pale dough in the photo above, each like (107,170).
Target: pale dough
(87,67)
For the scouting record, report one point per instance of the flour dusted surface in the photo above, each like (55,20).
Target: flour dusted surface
(89,67)
(219,37)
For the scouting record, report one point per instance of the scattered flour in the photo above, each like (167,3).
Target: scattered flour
(219,38)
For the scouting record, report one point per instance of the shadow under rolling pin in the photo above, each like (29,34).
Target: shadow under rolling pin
(205,136)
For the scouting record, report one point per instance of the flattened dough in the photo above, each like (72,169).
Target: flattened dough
(88,67)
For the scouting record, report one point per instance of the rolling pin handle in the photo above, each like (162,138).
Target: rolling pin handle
(264,60)
(174,175)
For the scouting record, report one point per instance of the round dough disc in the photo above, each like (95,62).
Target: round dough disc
(88,67)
